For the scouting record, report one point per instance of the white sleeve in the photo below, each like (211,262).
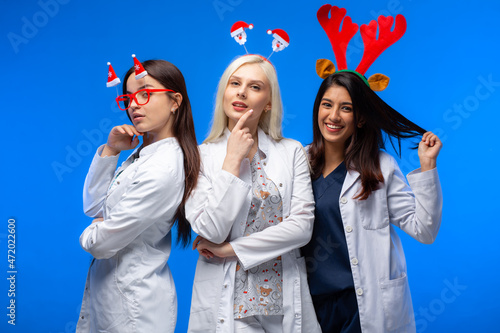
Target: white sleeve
(98,178)
(417,208)
(152,197)
(293,232)
(216,203)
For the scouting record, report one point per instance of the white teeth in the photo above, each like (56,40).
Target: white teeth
(333,126)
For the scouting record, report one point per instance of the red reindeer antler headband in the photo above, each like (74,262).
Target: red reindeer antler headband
(339,38)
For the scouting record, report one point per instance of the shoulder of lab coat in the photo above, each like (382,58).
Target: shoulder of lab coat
(153,195)
(219,196)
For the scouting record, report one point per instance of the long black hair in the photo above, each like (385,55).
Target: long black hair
(171,77)
(363,147)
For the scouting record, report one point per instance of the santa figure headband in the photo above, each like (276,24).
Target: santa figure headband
(373,46)
(280,41)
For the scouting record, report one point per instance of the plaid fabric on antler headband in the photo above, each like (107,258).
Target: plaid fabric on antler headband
(373,46)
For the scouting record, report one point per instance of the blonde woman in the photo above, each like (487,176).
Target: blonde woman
(252,209)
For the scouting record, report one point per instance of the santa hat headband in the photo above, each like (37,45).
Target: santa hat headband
(113,80)
(140,72)
(280,42)
(280,35)
(373,46)
(239,27)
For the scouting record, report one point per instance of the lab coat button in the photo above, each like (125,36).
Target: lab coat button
(222,321)
(348,228)
(354,261)
(281,185)
(82,317)
(343,200)
(225,286)
(118,183)
(359,291)
(265,163)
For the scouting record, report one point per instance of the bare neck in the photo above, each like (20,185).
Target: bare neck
(334,156)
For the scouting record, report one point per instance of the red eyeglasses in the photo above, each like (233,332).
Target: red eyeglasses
(141,97)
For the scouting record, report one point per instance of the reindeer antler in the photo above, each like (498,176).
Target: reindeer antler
(373,46)
(338,39)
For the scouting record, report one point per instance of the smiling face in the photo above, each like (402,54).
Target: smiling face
(248,88)
(336,117)
(154,117)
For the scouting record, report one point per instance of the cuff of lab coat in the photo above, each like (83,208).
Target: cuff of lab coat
(99,152)
(417,177)
(229,178)
(88,237)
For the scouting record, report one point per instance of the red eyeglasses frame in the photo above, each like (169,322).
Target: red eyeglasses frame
(132,97)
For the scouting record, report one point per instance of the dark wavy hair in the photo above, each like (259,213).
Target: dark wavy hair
(363,147)
(171,77)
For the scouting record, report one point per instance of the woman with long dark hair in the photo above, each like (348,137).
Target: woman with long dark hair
(129,285)
(356,265)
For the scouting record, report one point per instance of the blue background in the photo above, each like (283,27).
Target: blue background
(56,112)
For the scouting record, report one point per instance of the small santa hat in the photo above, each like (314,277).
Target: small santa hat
(140,72)
(113,80)
(239,27)
(280,35)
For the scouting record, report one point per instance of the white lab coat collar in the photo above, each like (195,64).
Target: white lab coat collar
(349,181)
(153,147)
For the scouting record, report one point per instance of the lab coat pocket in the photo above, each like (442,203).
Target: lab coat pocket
(373,211)
(396,300)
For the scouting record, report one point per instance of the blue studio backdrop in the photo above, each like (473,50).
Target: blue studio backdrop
(56,112)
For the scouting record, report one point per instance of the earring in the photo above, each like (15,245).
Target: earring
(174,110)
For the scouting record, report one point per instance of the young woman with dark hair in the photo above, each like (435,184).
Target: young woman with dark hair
(129,285)
(360,282)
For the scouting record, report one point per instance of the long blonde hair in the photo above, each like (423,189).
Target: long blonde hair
(270,122)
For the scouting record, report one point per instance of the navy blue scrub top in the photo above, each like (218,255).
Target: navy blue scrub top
(327,257)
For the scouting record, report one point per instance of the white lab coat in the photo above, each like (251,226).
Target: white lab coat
(218,210)
(377,259)
(129,286)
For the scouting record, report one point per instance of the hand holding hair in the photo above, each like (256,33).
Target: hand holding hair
(428,151)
